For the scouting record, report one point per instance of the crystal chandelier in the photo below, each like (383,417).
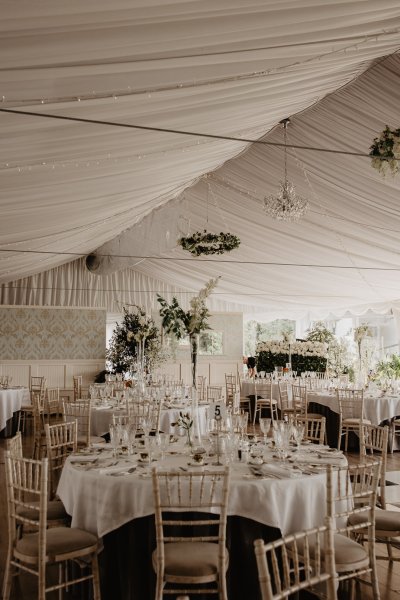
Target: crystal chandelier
(285,205)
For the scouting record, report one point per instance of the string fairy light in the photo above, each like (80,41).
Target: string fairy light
(355,44)
(214,136)
(204,260)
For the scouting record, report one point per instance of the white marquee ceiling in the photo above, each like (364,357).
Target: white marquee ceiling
(233,68)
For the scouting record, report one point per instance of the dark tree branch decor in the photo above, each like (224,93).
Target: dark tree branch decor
(203,242)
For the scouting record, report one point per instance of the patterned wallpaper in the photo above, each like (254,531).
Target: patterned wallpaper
(48,333)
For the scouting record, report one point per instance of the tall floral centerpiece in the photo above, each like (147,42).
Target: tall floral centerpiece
(191,323)
(135,343)
(360,334)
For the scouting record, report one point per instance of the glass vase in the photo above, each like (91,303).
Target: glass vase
(141,368)
(194,347)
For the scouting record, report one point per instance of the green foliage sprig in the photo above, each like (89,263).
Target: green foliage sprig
(181,323)
(385,151)
(135,327)
(388,368)
(185,421)
(203,242)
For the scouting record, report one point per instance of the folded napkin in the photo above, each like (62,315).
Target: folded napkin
(83,458)
(279,471)
(116,469)
(103,407)
(319,459)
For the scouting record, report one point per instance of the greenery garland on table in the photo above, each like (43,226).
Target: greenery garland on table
(385,151)
(204,242)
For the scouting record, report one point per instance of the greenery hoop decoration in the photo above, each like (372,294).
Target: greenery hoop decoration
(204,242)
(385,151)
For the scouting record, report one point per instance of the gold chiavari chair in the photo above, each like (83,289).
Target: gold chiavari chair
(354,499)
(80,411)
(314,428)
(296,562)
(27,491)
(234,396)
(351,415)
(263,400)
(387,522)
(191,552)
(214,392)
(77,383)
(52,406)
(61,441)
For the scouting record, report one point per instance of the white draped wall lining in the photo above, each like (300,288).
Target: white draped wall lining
(72,285)
(233,68)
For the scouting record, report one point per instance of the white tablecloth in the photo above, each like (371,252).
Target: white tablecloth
(11,401)
(101,503)
(249,387)
(376,408)
(102,417)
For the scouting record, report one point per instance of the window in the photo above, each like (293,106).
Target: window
(211,343)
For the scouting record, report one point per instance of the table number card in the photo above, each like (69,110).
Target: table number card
(217,410)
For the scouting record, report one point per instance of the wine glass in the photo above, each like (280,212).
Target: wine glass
(146,423)
(115,439)
(131,430)
(265,425)
(298,433)
(244,419)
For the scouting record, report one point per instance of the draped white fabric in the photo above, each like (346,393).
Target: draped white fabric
(231,68)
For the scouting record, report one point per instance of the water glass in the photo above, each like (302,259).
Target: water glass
(298,433)
(164,443)
(243,421)
(115,439)
(265,425)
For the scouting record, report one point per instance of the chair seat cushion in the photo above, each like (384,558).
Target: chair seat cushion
(349,555)
(55,511)
(385,520)
(355,421)
(190,559)
(60,540)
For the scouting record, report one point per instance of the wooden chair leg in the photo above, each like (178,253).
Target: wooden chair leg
(7,578)
(339,439)
(255,412)
(96,578)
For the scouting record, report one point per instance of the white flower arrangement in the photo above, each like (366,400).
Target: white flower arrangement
(300,348)
(179,322)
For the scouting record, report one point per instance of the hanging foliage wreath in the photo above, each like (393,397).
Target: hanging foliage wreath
(204,242)
(385,151)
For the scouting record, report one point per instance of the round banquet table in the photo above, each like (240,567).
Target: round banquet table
(11,401)
(378,408)
(101,417)
(120,510)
